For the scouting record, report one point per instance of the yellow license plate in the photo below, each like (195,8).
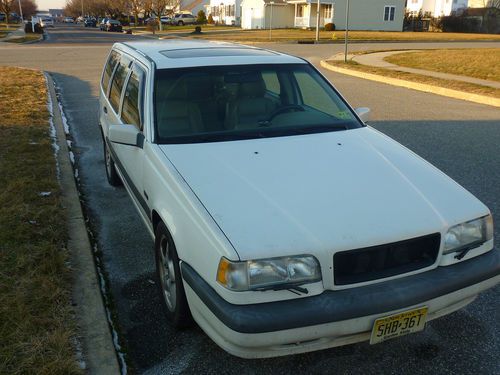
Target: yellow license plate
(397,325)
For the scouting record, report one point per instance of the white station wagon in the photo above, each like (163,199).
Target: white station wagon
(282,222)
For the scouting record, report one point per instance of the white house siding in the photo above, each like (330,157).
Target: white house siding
(252,14)
(283,16)
(255,14)
(369,15)
(437,8)
(227,12)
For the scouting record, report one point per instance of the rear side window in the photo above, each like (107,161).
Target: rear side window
(117,82)
(132,107)
(114,57)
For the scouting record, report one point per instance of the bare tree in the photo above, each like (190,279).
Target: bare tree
(136,7)
(162,7)
(494,4)
(29,8)
(6,6)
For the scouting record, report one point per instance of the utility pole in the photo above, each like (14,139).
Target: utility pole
(317,21)
(346,30)
(21,11)
(271,22)
(82,8)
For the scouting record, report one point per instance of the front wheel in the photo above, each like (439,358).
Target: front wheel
(169,274)
(180,23)
(111,173)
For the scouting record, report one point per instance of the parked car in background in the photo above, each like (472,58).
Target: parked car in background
(282,222)
(90,22)
(166,20)
(184,19)
(68,20)
(112,25)
(102,23)
(46,21)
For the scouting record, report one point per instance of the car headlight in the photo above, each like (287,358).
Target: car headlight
(469,234)
(272,273)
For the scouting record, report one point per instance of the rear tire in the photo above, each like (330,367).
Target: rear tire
(169,273)
(180,23)
(111,173)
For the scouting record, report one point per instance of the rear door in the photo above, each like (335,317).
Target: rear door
(130,159)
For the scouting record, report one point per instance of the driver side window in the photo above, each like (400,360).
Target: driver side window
(133,99)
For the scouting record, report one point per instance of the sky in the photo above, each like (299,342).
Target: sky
(52,4)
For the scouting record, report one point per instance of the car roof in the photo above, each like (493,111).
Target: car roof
(192,53)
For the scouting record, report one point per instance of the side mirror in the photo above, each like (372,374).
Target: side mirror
(126,135)
(363,113)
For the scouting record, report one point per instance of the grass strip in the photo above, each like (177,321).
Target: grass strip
(449,84)
(483,63)
(36,319)
(24,39)
(281,35)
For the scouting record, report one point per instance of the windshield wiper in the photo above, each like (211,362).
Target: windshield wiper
(319,129)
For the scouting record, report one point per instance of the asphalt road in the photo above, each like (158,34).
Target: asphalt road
(461,138)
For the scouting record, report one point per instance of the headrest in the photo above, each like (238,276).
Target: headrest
(253,89)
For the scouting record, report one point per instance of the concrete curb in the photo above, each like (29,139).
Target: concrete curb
(480,99)
(99,352)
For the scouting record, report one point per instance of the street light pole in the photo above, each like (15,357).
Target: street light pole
(346,30)
(82,8)
(317,20)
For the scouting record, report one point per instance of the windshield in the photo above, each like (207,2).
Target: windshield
(221,103)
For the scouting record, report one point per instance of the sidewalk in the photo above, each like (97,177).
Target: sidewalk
(377,60)
(17,33)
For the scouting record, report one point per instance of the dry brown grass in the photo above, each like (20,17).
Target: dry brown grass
(454,85)
(36,321)
(299,34)
(481,63)
(5,29)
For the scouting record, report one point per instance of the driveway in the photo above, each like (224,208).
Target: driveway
(461,138)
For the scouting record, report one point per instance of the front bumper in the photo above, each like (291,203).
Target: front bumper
(333,317)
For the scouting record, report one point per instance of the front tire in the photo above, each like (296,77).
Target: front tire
(111,173)
(169,273)
(180,23)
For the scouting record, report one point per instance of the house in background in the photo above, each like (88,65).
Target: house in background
(263,14)
(439,8)
(376,15)
(384,15)
(193,6)
(305,12)
(56,14)
(226,12)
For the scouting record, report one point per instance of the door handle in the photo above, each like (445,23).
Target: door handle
(105,109)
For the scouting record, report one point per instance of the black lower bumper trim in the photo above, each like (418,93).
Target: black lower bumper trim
(334,306)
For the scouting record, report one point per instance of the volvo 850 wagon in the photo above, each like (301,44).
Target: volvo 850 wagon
(283,223)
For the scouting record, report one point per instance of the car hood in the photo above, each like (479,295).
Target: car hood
(320,193)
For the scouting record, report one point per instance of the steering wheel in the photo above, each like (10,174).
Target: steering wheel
(286,108)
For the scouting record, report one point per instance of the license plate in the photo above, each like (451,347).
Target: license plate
(397,325)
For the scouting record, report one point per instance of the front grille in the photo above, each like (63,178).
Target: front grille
(378,262)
